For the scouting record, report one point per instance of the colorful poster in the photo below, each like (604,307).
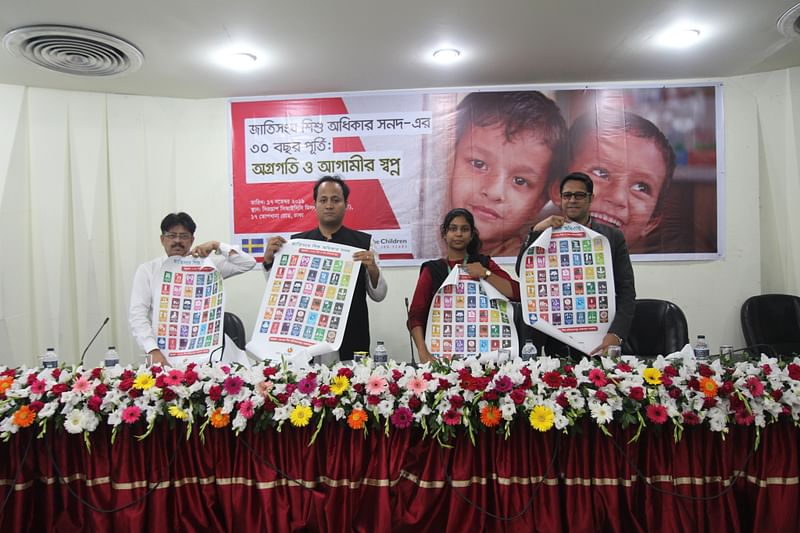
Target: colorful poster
(307,299)
(411,156)
(189,310)
(567,286)
(469,317)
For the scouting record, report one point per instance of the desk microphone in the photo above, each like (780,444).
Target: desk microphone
(93,338)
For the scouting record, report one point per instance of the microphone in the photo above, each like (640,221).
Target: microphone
(410,338)
(93,338)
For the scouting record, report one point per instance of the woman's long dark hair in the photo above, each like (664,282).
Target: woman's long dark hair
(474,246)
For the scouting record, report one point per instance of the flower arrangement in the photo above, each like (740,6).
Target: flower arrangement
(440,399)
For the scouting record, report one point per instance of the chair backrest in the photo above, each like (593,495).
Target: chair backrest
(659,327)
(234,328)
(774,320)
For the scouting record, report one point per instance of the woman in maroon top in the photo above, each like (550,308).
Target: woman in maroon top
(463,248)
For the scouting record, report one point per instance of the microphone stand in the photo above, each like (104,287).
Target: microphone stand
(93,338)
(410,338)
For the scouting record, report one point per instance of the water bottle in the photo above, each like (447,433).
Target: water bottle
(528,351)
(50,358)
(701,349)
(112,357)
(380,356)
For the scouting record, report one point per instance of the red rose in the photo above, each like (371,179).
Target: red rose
(674,393)
(518,396)
(161,381)
(396,374)
(190,377)
(444,384)
(324,389)
(705,371)
(670,371)
(316,403)
(490,396)
(101,390)
(776,394)
(36,406)
(601,396)
(134,393)
(126,384)
(708,403)
(330,402)
(561,400)
(359,388)
(693,384)
(269,371)
(373,399)
(290,388)
(127,374)
(283,398)
(156,369)
(60,388)
(94,403)
(456,401)
(168,394)
(726,389)
(666,381)
(346,372)
(690,418)
(569,382)
(97,372)
(394,389)
(414,403)
(636,393)
(215,393)
(794,371)
(767,369)
(624,367)
(56,373)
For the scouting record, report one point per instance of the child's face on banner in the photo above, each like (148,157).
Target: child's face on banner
(628,173)
(502,182)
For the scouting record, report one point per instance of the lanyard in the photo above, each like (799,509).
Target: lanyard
(463,263)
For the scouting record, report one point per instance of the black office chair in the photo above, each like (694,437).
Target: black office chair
(773,321)
(659,328)
(234,328)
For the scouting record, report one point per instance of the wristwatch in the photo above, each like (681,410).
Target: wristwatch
(619,339)
(487,273)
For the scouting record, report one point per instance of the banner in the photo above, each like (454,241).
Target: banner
(307,299)
(190,311)
(469,317)
(567,286)
(409,157)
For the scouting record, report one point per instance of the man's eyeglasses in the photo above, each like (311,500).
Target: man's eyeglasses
(178,236)
(577,195)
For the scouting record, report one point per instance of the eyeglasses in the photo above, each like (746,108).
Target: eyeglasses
(577,195)
(178,236)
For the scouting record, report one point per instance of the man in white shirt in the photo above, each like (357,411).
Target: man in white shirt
(177,237)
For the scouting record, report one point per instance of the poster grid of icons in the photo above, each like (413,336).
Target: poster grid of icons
(465,320)
(190,309)
(567,283)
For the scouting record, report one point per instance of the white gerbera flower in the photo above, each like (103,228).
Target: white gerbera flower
(72,423)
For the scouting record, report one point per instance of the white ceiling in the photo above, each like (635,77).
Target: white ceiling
(312,46)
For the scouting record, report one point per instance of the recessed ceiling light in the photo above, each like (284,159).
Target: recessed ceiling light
(446,55)
(681,38)
(241,60)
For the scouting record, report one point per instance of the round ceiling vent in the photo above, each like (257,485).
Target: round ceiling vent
(75,51)
(789,23)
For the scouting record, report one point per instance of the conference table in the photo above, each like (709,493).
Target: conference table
(170,476)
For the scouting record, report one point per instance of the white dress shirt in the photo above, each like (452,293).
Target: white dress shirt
(140,313)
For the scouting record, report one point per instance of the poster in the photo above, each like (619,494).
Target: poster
(307,299)
(653,153)
(567,286)
(469,317)
(190,311)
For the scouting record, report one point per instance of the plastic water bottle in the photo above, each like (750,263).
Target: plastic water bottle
(50,358)
(528,351)
(112,357)
(380,356)
(701,349)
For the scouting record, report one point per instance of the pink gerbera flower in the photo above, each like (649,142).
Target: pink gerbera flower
(81,385)
(38,386)
(246,408)
(598,377)
(503,384)
(264,387)
(376,385)
(173,377)
(451,417)
(402,417)
(657,413)
(233,385)
(307,385)
(131,414)
(755,386)
(417,386)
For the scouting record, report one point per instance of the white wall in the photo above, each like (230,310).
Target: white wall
(86,178)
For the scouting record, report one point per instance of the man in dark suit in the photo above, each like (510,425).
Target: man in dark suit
(330,200)
(576,200)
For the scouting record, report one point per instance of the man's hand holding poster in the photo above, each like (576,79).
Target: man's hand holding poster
(567,282)
(469,317)
(307,300)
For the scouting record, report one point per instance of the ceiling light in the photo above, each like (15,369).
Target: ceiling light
(446,55)
(789,23)
(241,61)
(681,38)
